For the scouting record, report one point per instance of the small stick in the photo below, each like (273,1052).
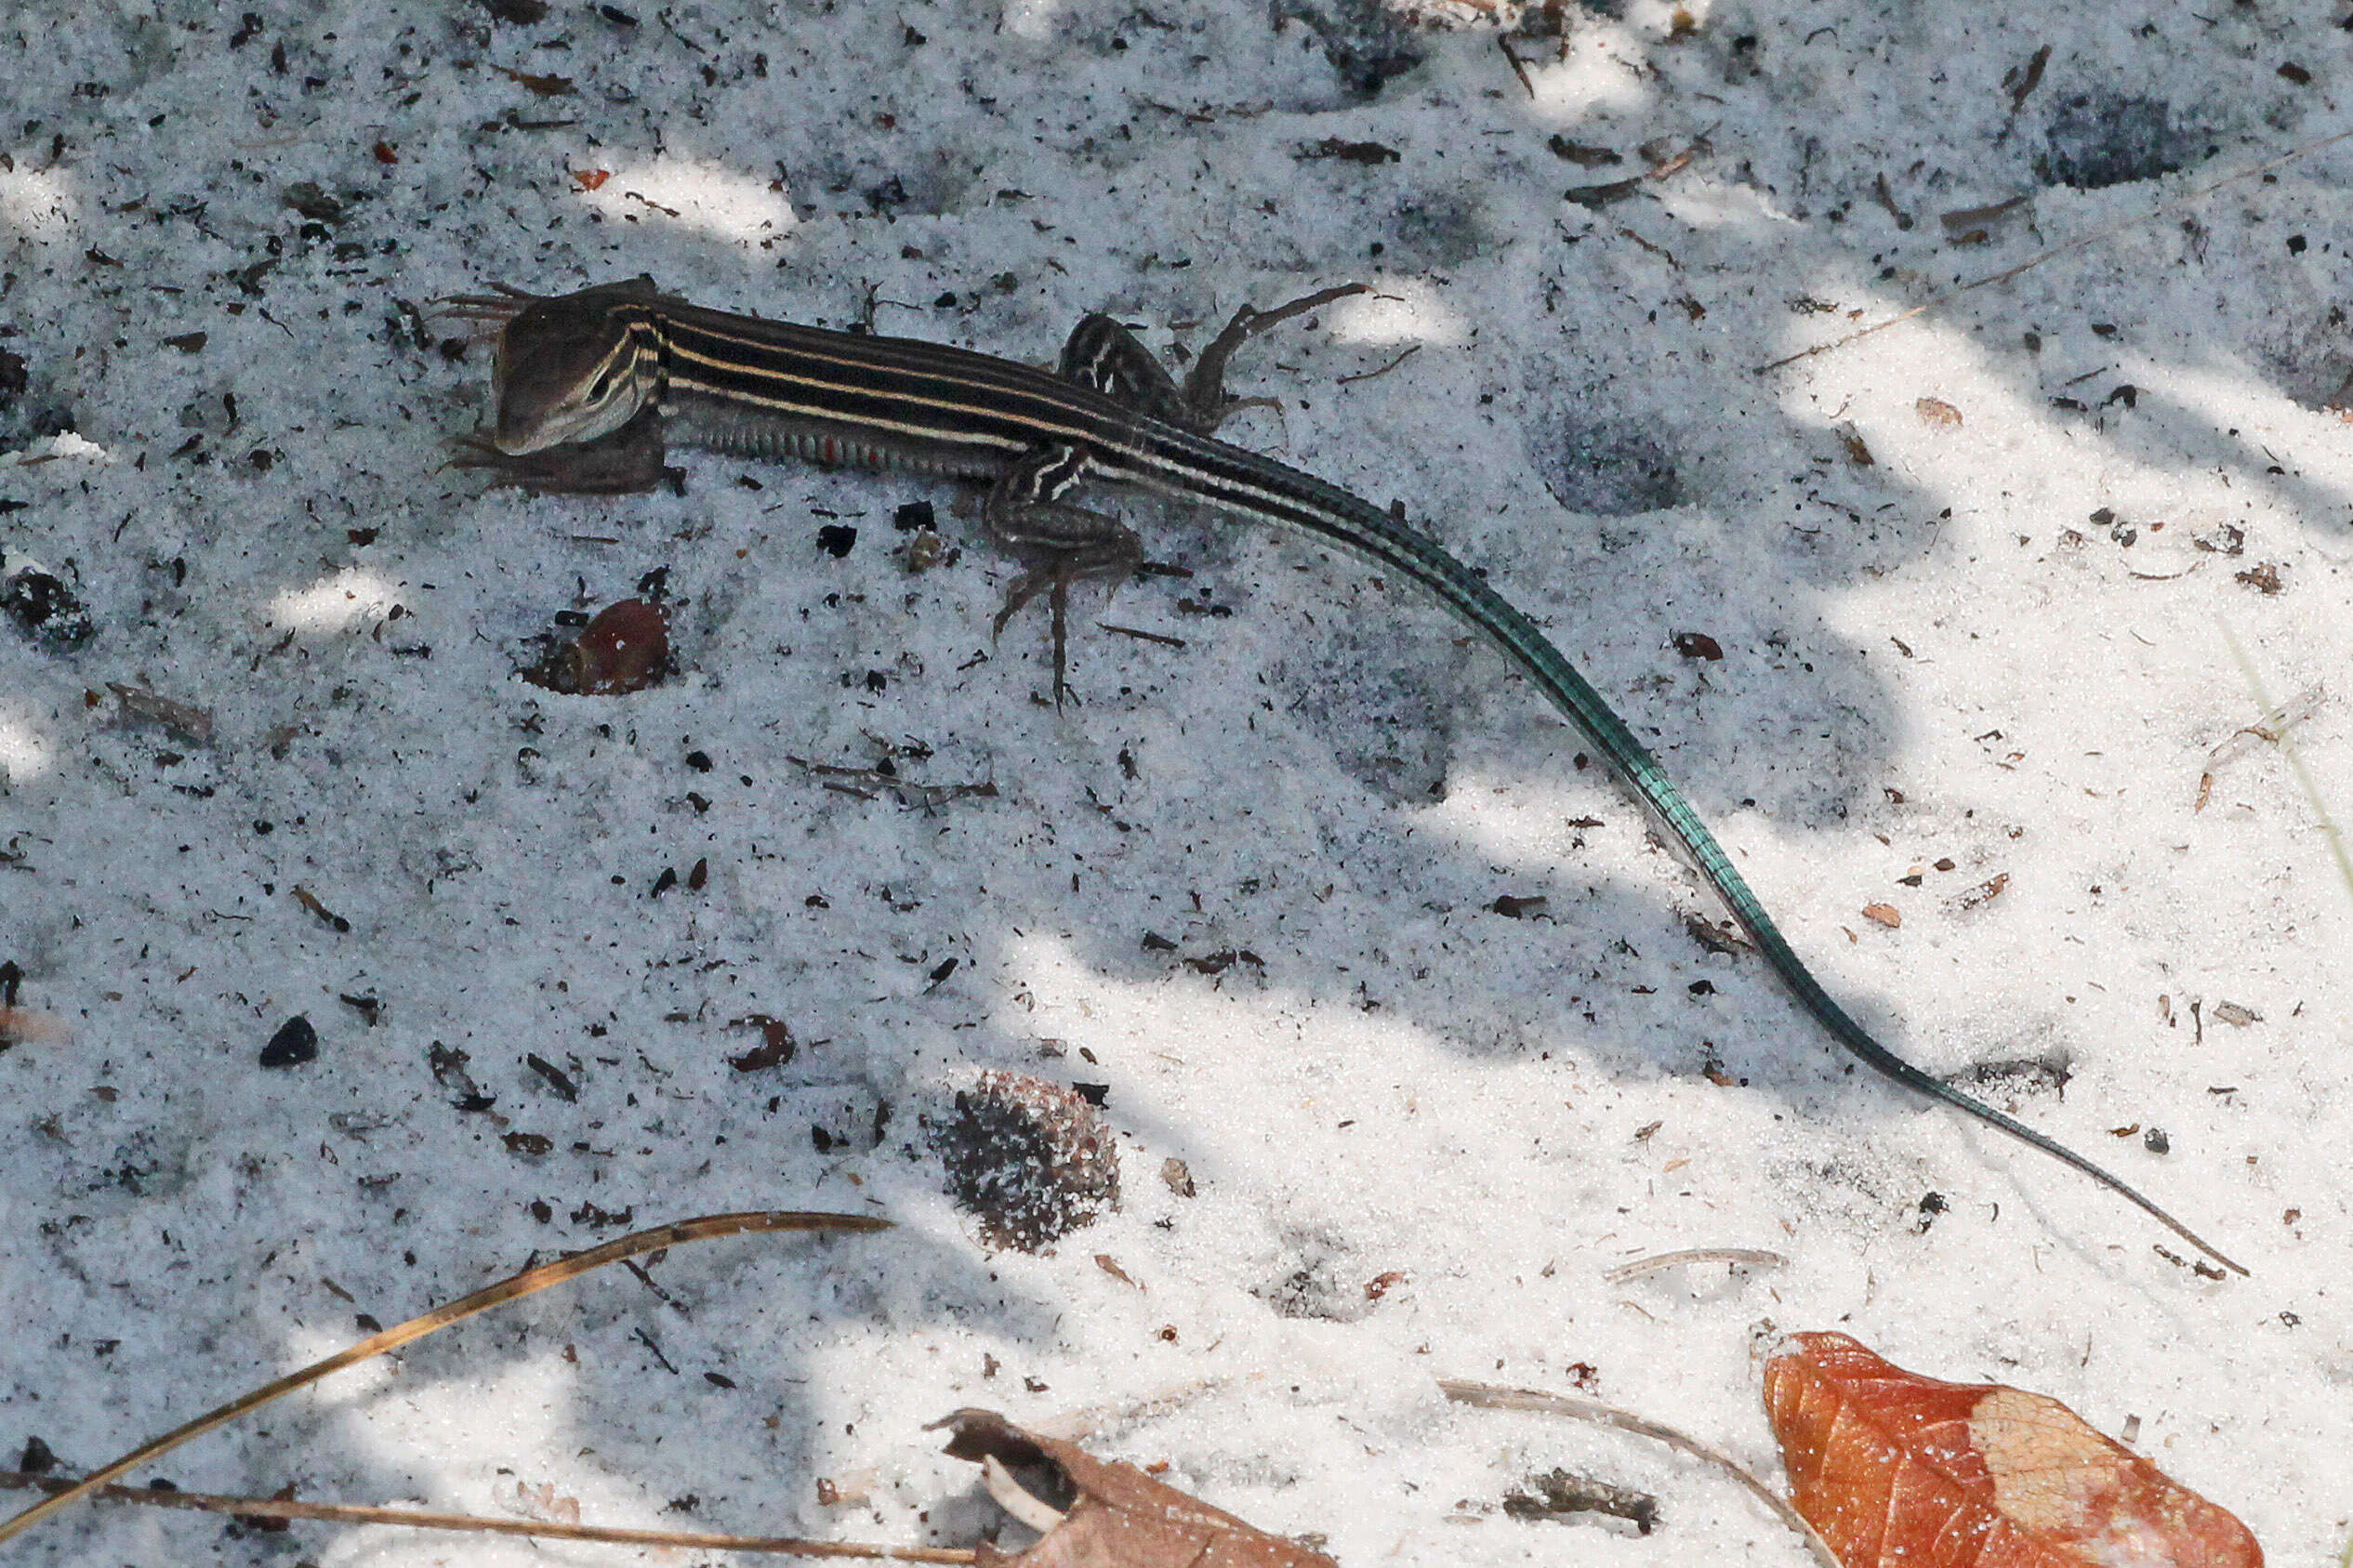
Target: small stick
(2328,833)
(866,783)
(1369,374)
(1495,1396)
(2080,241)
(414,1519)
(1504,44)
(1141,634)
(529,1282)
(2271,730)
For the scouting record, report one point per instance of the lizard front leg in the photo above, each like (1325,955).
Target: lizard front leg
(1059,543)
(627,462)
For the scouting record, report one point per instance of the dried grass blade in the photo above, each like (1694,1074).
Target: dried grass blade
(417,1518)
(530,1282)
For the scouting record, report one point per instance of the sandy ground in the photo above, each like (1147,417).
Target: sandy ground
(1975,582)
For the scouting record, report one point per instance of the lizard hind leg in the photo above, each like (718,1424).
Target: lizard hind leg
(1103,354)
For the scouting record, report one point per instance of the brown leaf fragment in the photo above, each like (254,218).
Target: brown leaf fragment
(1366,152)
(1111,1515)
(1110,1265)
(1894,1469)
(1582,154)
(1962,221)
(1886,197)
(184,722)
(2264,578)
(1984,892)
(311,199)
(1595,197)
(546,86)
(2020,81)
(1936,411)
(1887,915)
(555,1077)
(1715,938)
(1858,450)
(324,916)
(1557,1491)
(776,1044)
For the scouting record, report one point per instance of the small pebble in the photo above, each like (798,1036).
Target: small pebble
(294,1043)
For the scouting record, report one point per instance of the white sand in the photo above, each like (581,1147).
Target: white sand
(1936,658)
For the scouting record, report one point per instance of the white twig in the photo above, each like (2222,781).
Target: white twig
(1747,1257)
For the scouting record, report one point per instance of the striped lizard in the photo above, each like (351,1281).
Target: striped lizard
(590,388)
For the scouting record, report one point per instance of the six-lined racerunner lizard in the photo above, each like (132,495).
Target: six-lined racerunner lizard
(592,387)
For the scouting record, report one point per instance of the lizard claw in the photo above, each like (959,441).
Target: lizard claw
(1054,582)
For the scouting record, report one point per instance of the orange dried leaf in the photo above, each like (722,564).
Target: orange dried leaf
(590,180)
(1121,1518)
(1898,1470)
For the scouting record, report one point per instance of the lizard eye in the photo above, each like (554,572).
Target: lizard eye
(603,384)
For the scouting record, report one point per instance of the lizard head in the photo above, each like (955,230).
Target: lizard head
(575,368)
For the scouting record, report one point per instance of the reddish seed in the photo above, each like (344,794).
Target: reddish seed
(625,648)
